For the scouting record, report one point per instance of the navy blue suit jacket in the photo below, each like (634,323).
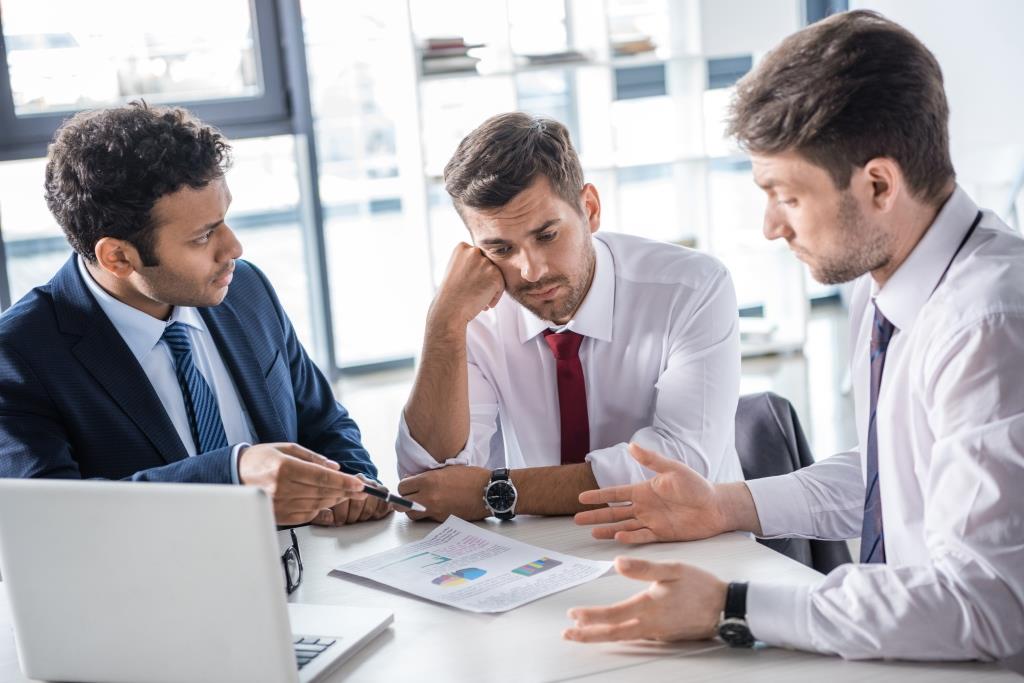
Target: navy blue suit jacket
(74,401)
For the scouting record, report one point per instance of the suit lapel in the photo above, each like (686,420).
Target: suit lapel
(103,353)
(241,359)
(108,359)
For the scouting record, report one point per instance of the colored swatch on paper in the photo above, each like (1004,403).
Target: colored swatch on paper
(459,577)
(536,567)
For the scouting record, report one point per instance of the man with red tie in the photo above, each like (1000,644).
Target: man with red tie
(549,348)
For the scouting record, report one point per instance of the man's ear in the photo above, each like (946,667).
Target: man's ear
(881,182)
(591,203)
(120,258)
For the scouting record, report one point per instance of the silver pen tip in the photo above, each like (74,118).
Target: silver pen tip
(416,507)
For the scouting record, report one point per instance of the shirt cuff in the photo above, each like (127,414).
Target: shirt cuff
(778,614)
(235,452)
(781,505)
(614,465)
(413,458)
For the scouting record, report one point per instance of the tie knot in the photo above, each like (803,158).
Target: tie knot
(881,331)
(176,337)
(565,345)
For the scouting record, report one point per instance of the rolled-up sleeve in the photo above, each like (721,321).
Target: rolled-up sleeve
(483,424)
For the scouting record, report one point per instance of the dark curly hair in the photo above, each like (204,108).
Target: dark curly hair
(107,168)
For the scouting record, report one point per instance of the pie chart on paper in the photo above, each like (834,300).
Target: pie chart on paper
(459,577)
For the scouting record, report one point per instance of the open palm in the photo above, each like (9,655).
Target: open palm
(677,504)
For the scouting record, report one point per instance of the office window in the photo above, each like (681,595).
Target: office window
(221,59)
(816,10)
(66,55)
(725,71)
(264,214)
(361,72)
(640,81)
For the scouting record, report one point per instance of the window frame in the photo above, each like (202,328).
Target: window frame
(23,137)
(283,108)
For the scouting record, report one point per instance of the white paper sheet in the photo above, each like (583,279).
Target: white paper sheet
(473,569)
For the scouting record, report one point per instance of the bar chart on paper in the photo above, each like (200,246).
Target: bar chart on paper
(536,567)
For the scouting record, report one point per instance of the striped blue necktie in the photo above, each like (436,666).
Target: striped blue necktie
(200,403)
(872,537)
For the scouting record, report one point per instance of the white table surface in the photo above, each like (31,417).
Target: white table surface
(431,642)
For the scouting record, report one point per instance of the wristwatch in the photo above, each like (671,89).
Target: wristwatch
(500,495)
(732,626)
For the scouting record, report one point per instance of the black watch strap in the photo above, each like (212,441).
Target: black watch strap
(733,628)
(736,601)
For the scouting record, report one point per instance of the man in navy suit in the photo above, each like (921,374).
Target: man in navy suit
(155,354)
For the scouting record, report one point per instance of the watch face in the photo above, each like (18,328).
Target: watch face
(736,633)
(501,496)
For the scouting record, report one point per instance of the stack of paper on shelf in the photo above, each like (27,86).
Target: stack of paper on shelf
(447,54)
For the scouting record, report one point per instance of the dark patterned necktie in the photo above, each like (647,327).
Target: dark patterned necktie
(572,395)
(200,403)
(872,537)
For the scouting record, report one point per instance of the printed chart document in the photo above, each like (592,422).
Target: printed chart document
(464,566)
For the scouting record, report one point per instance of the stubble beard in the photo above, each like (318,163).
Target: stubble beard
(169,288)
(564,308)
(862,247)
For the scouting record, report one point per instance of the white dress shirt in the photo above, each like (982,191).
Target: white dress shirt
(660,359)
(950,427)
(142,333)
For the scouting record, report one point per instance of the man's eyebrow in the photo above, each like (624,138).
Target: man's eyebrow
(208,226)
(769,183)
(545,225)
(495,241)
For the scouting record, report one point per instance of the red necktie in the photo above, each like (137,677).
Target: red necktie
(572,395)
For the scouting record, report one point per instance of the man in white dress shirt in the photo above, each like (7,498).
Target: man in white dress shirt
(846,124)
(549,347)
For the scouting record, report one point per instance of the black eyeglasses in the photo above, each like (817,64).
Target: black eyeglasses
(292,562)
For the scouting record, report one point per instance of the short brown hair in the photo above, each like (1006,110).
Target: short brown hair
(505,154)
(846,90)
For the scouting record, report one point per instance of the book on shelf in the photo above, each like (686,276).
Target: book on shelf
(447,54)
(443,42)
(445,65)
(563,57)
(625,45)
(439,52)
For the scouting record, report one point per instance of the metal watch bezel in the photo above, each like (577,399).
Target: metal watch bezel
(515,496)
(735,631)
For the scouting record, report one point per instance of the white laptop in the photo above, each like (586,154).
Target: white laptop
(145,582)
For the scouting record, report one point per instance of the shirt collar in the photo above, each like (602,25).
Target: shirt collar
(906,292)
(140,331)
(595,315)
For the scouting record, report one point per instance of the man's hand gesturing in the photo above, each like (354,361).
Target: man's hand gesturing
(299,481)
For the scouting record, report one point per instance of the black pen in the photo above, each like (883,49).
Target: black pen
(392,498)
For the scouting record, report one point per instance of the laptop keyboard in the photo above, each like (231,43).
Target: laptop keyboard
(308,648)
